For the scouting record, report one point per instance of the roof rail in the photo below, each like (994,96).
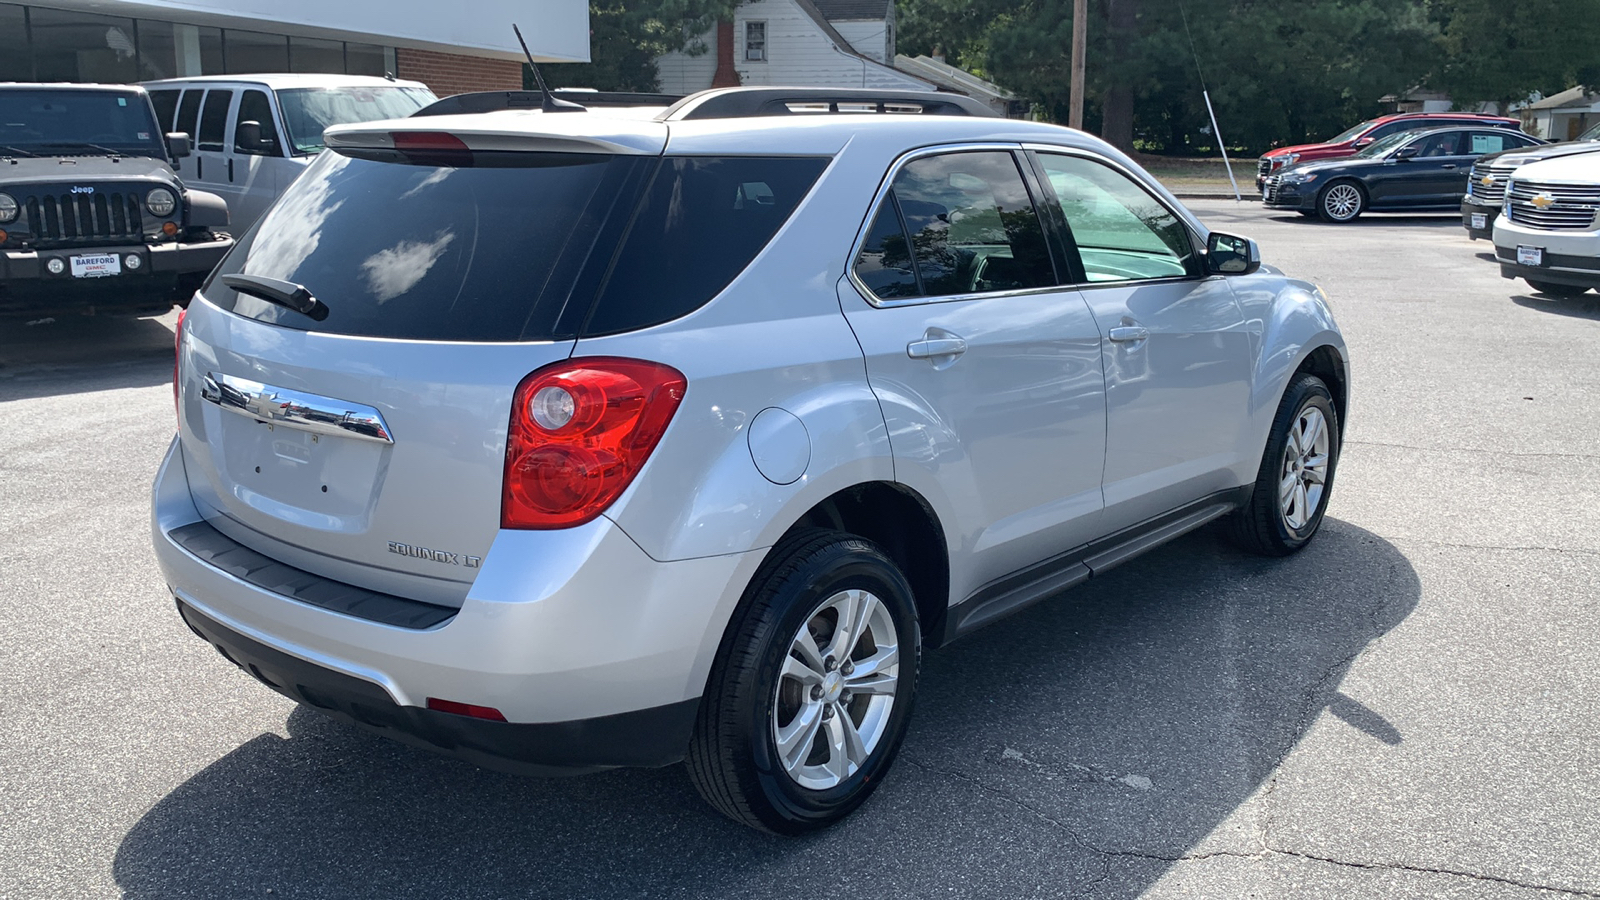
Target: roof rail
(746,102)
(495,101)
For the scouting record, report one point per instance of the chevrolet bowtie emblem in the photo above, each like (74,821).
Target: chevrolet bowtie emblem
(1486,180)
(1543,200)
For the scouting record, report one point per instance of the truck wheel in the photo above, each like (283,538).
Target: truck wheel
(811,690)
(1555,290)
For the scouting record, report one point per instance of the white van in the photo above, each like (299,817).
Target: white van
(254,134)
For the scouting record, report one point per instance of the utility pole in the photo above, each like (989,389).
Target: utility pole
(1080,43)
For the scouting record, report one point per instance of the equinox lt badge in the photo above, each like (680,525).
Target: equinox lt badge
(454,559)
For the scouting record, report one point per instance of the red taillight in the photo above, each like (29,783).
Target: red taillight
(177,358)
(580,431)
(466,709)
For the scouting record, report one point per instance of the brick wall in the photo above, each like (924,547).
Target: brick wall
(452,73)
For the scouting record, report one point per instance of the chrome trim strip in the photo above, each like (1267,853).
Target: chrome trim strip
(295,409)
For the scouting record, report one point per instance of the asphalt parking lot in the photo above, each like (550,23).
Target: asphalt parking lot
(1411,707)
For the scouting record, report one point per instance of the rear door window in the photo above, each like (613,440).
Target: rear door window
(701,222)
(189,112)
(970,226)
(214,120)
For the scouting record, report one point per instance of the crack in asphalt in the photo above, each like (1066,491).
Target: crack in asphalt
(1499,453)
(1108,854)
(1427,543)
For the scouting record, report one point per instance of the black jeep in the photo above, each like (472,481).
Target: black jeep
(92,217)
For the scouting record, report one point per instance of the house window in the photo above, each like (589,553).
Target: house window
(755,41)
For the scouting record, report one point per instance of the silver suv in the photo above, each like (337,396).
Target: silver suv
(581,440)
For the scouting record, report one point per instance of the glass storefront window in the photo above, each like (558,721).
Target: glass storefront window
(245,52)
(16,63)
(73,46)
(160,55)
(363,59)
(312,55)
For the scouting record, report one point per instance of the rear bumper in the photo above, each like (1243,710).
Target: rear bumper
(1470,209)
(595,653)
(645,737)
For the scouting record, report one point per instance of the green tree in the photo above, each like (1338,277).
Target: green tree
(1277,70)
(627,36)
(1502,52)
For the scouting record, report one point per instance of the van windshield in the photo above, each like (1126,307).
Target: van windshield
(65,122)
(308,111)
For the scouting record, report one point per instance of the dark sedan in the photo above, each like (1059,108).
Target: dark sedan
(1423,170)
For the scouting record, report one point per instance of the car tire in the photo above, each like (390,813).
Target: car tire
(1341,202)
(1296,476)
(786,746)
(1556,290)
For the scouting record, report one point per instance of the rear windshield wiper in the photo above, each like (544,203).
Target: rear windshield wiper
(17,150)
(286,294)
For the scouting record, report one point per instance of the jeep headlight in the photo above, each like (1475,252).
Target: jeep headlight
(8,208)
(160,202)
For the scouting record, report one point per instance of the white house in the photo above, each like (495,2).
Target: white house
(815,43)
(1563,116)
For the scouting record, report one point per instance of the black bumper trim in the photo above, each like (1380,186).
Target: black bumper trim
(657,736)
(1490,213)
(217,549)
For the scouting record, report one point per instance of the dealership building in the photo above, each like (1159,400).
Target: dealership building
(466,46)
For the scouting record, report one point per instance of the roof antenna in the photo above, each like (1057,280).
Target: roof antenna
(550,104)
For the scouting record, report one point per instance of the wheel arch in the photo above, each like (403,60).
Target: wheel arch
(904,525)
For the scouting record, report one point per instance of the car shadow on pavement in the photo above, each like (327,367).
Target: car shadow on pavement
(1373,220)
(1583,306)
(1127,719)
(76,354)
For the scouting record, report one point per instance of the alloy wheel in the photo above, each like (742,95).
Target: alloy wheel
(1305,468)
(1342,202)
(836,690)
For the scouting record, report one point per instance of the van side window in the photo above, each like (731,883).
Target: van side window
(189,112)
(255,107)
(166,104)
(214,120)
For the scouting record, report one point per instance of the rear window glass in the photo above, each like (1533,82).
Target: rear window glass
(429,252)
(514,247)
(703,219)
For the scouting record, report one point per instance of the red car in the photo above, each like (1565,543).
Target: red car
(1360,136)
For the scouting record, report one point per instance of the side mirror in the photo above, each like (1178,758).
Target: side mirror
(1230,255)
(1361,143)
(1407,152)
(247,137)
(178,144)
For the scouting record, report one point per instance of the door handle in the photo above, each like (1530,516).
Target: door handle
(1124,334)
(1449,165)
(934,348)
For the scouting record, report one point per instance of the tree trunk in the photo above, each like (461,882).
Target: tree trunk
(1116,117)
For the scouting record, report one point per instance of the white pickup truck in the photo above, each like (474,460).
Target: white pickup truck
(1548,232)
